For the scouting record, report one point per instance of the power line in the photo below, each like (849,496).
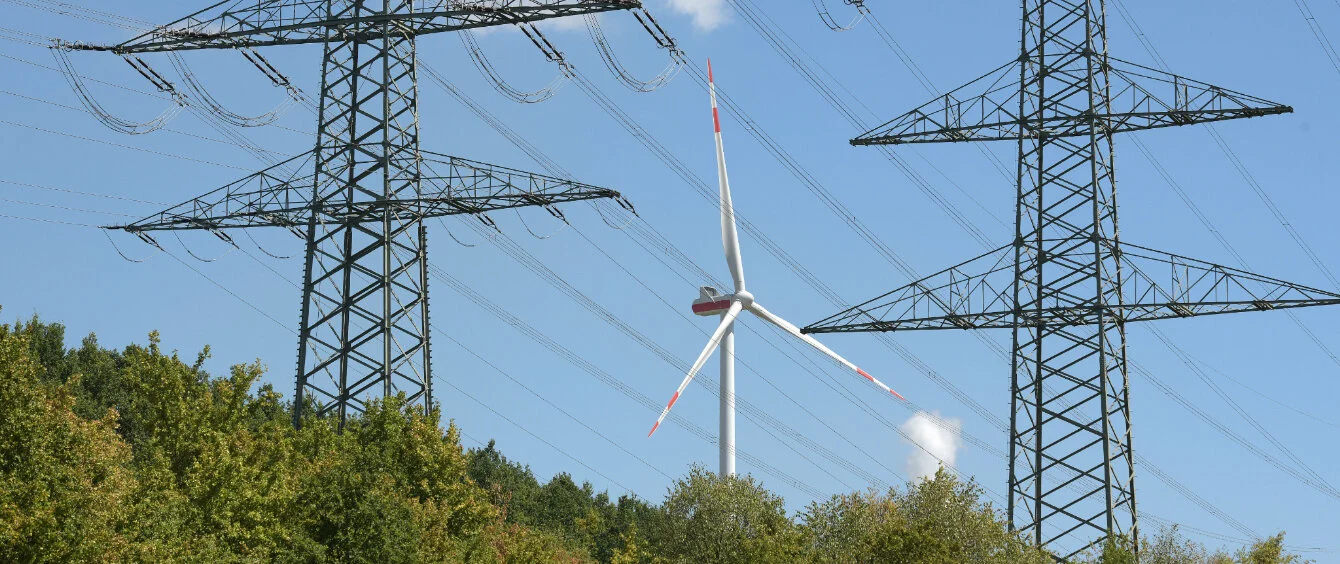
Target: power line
(118,145)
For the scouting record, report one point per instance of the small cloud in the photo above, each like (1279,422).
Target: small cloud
(937,440)
(707,14)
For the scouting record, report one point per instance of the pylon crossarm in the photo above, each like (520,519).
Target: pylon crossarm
(451,186)
(987,109)
(954,298)
(1157,285)
(250,23)
(1165,286)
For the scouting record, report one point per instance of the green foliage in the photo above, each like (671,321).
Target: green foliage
(138,456)
(64,484)
(1169,547)
(711,519)
(935,520)
(1268,551)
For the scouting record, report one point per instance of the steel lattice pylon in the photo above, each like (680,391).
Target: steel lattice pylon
(1067,286)
(364,329)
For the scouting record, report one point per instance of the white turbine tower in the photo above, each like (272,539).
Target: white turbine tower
(712,302)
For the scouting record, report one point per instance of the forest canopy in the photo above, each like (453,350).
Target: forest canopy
(136,455)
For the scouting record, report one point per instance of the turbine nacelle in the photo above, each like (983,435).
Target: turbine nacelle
(711,302)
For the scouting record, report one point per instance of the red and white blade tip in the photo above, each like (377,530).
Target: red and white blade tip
(668,406)
(881,384)
(709,70)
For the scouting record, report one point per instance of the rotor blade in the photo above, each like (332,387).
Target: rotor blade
(726,322)
(760,311)
(730,240)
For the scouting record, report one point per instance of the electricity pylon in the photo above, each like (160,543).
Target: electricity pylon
(1066,286)
(364,322)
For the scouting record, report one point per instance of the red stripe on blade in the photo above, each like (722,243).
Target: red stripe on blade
(653,428)
(866,374)
(716,119)
(673,399)
(709,70)
(897,395)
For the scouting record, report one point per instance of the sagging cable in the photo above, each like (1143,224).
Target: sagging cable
(532,232)
(188,250)
(123,255)
(247,232)
(832,23)
(486,68)
(61,52)
(611,61)
(609,223)
(453,235)
(217,108)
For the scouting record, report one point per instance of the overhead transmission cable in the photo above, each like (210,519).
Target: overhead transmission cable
(745,9)
(740,4)
(657,241)
(611,59)
(531,150)
(765,419)
(239,122)
(832,23)
(486,68)
(652,144)
(199,92)
(109,119)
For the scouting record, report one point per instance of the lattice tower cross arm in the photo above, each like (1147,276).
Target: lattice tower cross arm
(1063,282)
(364,330)
(236,23)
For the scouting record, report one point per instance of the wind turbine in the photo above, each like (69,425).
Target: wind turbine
(712,302)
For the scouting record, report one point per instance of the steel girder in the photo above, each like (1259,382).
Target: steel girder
(250,23)
(978,294)
(281,196)
(1066,286)
(364,330)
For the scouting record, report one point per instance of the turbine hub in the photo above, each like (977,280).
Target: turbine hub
(744,297)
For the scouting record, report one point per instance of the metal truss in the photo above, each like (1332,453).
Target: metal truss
(978,295)
(364,327)
(1066,286)
(987,109)
(276,197)
(250,23)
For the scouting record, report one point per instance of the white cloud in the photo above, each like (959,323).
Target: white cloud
(707,14)
(939,440)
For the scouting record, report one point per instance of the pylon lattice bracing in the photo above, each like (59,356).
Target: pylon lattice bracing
(1066,286)
(364,323)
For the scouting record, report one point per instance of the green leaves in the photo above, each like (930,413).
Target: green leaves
(936,520)
(64,481)
(135,455)
(711,519)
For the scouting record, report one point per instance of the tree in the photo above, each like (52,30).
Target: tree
(64,480)
(937,520)
(1268,551)
(710,519)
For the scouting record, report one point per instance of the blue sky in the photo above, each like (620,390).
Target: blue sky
(73,275)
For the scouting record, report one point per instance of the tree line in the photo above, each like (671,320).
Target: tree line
(136,455)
